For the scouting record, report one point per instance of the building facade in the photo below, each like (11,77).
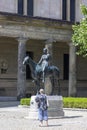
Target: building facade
(26,27)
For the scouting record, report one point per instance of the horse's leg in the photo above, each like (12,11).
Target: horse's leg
(53,84)
(59,91)
(43,77)
(43,80)
(44,85)
(40,83)
(37,86)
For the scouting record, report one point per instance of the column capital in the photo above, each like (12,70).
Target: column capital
(50,41)
(22,39)
(70,43)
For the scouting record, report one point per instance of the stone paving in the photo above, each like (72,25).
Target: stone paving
(14,118)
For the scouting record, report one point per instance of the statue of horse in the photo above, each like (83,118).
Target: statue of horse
(51,74)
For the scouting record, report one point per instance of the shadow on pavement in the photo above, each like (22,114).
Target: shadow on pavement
(65,117)
(52,126)
(72,117)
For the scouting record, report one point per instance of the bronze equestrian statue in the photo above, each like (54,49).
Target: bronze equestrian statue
(42,70)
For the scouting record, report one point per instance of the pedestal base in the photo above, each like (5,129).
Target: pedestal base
(33,111)
(55,107)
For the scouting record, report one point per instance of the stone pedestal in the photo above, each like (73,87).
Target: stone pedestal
(55,107)
(33,111)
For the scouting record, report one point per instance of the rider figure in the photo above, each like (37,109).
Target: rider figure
(44,61)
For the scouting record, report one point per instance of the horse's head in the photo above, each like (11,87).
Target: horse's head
(26,59)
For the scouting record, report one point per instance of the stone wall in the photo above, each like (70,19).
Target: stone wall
(43,8)
(48,8)
(8,6)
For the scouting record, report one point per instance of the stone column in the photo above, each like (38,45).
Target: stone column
(72,70)
(21,82)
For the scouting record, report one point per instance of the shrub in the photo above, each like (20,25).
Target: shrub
(68,102)
(71,102)
(25,101)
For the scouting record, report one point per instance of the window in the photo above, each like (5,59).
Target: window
(72,10)
(66,66)
(30,7)
(20,6)
(64,9)
(28,71)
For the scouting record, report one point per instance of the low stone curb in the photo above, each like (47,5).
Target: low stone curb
(70,109)
(23,106)
(74,109)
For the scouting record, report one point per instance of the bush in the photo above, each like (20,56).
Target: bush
(68,102)
(25,101)
(71,102)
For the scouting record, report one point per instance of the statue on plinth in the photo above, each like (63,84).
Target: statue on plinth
(48,75)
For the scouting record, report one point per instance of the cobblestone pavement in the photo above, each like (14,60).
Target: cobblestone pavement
(14,118)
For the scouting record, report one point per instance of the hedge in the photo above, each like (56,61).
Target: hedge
(71,102)
(25,101)
(68,102)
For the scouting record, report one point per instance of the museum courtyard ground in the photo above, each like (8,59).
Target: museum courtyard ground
(15,117)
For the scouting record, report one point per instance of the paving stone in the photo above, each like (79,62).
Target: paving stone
(14,118)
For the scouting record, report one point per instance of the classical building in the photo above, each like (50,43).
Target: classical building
(26,27)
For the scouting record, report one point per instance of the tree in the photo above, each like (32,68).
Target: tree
(79,36)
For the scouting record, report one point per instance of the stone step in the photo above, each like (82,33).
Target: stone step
(7,98)
(9,104)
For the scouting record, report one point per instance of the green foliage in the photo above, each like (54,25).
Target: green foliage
(84,10)
(70,102)
(25,101)
(79,36)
